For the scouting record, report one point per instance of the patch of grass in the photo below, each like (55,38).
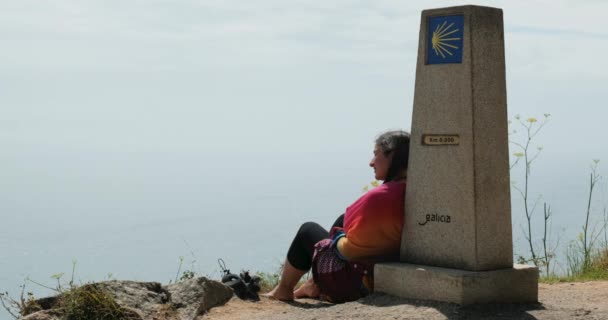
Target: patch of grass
(91,302)
(598,267)
(552,279)
(23,306)
(30,306)
(596,270)
(269,280)
(87,302)
(593,275)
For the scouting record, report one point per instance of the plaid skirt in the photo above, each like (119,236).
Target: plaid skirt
(339,280)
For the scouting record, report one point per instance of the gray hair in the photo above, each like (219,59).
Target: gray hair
(397,143)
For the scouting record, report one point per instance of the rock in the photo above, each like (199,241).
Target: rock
(47,303)
(150,300)
(194,297)
(145,298)
(43,315)
(37,305)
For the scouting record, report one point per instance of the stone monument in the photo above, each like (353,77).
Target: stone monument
(457,243)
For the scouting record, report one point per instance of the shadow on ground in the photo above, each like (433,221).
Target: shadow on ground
(310,304)
(457,312)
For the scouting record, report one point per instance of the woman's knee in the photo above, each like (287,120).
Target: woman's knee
(310,233)
(309,226)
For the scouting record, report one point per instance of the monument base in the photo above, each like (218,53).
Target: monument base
(514,285)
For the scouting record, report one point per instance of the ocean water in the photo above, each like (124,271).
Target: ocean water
(134,216)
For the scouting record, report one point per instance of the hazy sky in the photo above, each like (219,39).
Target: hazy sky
(99,96)
(270,76)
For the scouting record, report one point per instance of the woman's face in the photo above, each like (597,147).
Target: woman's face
(380,162)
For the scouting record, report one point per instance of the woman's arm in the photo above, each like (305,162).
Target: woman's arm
(340,249)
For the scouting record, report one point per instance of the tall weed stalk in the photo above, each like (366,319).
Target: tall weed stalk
(531,127)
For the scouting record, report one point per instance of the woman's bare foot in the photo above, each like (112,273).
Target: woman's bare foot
(280,293)
(308,290)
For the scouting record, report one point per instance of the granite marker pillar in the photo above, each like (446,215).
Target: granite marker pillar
(457,239)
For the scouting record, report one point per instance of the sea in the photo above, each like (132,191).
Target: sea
(149,217)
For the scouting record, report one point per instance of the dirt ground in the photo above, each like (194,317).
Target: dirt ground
(584,300)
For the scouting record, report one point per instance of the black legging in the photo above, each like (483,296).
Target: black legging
(303,244)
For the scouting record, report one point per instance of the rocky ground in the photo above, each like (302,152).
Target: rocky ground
(585,300)
(203,299)
(132,300)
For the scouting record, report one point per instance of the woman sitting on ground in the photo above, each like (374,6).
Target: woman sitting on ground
(368,232)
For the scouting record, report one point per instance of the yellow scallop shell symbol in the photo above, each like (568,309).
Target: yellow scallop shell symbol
(441,41)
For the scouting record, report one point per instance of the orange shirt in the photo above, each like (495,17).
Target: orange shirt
(373,224)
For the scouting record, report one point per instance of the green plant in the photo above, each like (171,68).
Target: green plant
(586,256)
(371,185)
(589,239)
(187,274)
(531,128)
(597,269)
(179,268)
(25,305)
(269,280)
(91,302)
(605,227)
(548,251)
